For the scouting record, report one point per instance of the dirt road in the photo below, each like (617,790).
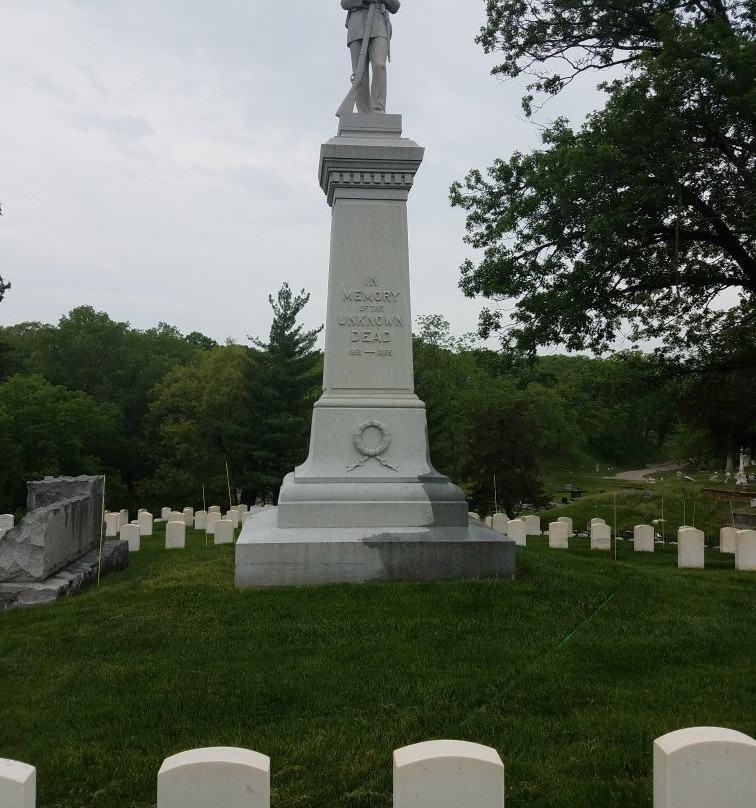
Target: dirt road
(640,474)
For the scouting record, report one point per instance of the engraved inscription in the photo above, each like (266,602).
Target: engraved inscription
(358,296)
(369,320)
(370,325)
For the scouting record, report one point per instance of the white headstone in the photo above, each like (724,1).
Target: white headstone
(690,548)
(233,517)
(517,531)
(112,523)
(601,536)
(643,536)
(499,522)
(727,539)
(200,520)
(189,516)
(532,525)
(176,516)
(124,517)
(175,535)
(7,521)
(745,551)
(213,517)
(214,509)
(131,534)
(705,767)
(224,532)
(223,777)
(474,516)
(489,521)
(165,514)
(242,508)
(18,784)
(145,521)
(558,535)
(568,521)
(448,774)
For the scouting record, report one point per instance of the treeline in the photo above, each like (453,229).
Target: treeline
(159,413)
(489,414)
(163,414)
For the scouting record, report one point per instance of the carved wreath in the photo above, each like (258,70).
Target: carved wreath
(367,452)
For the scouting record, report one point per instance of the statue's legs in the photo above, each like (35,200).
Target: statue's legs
(373,99)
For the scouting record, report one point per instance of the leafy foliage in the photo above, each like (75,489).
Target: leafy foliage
(110,363)
(521,421)
(161,415)
(646,214)
(284,376)
(718,408)
(46,429)
(193,415)
(502,461)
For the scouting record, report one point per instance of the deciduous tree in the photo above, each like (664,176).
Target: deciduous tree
(647,213)
(48,429)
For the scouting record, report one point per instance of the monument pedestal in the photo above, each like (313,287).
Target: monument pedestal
(367,504)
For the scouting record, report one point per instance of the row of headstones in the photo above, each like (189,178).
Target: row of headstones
(213,521)
(690,541)
(693,768)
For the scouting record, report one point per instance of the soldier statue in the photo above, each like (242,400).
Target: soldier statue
(368,47)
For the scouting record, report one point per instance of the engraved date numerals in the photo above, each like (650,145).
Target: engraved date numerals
(360,352)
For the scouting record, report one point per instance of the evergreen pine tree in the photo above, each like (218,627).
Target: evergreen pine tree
(284,380)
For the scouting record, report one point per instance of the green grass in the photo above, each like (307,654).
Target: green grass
(570,673)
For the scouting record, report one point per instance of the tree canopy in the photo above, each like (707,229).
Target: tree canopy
(646,214)
(520,421)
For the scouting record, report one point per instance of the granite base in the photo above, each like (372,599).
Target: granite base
(267,555)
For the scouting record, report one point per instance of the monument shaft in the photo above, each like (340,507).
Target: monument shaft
(367,505)
(368,463)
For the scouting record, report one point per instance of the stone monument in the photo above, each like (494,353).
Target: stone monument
(368,25)
(54,551)
(367,503)
(741,479)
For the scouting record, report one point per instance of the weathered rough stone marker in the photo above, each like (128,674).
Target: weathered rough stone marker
(54,550)
(63,523)
(367,503)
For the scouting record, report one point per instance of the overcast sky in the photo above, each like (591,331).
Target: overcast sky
(159,158)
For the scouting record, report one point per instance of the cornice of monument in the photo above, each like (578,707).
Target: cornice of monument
(369,153)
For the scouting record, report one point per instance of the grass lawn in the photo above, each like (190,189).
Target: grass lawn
(570,673)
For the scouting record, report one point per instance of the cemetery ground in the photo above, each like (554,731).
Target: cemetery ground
(676,502)
(570,673)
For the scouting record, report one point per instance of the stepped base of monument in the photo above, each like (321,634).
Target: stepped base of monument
(267,555)
(368,502)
